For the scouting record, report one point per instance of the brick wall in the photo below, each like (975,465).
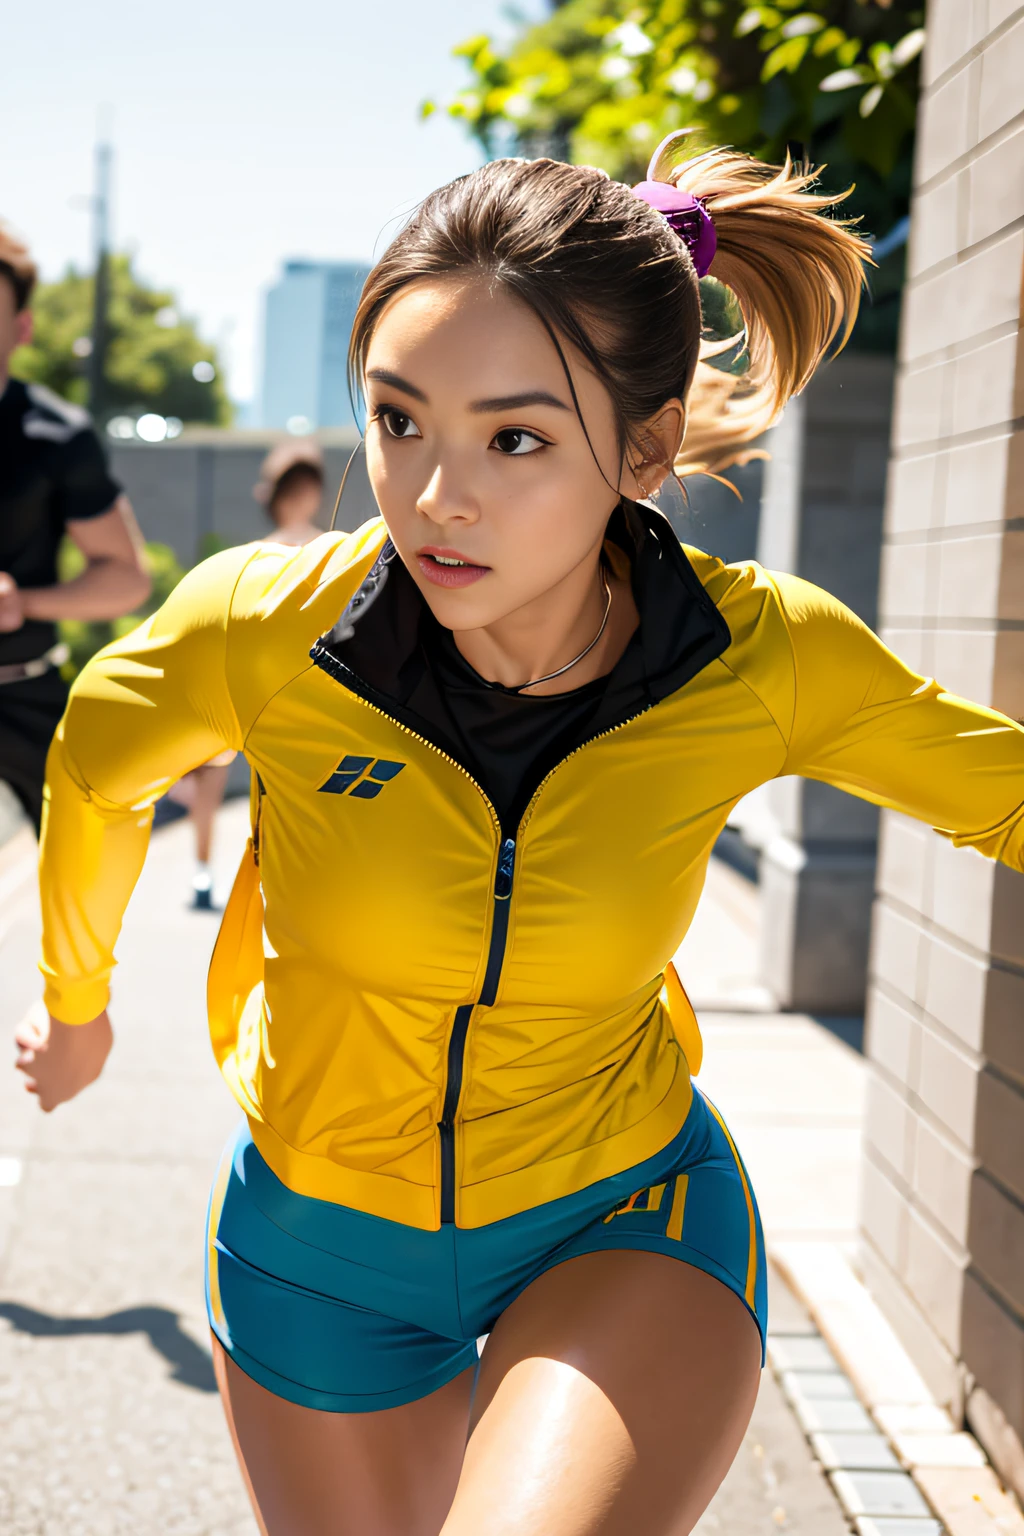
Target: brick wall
(943,1216)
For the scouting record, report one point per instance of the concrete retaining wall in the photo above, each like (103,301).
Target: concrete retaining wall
(201,484)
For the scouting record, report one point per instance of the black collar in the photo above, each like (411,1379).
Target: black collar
(376,649)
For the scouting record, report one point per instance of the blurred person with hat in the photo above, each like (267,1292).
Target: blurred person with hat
(291,488)
(54,481)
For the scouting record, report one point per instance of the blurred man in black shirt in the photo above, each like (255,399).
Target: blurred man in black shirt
(53,480)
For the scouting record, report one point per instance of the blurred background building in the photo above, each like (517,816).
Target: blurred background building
(307,324)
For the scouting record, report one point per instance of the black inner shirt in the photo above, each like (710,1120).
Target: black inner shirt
(52,472)
(505,737)
(389,648)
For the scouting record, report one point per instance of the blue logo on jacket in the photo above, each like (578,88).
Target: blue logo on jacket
(361,777)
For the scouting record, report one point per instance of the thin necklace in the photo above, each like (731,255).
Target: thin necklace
(534,681)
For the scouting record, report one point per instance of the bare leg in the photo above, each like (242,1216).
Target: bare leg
(391,1473)
(221,1364)
(210,782)
(613,1396)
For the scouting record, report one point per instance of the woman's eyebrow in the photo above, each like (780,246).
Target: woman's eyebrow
(517,402)
(385,376)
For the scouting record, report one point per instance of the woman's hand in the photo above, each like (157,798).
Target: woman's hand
(59,1060)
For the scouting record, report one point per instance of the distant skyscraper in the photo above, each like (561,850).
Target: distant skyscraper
(308,322)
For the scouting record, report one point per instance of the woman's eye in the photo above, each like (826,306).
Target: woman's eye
(516,440)
(398,424)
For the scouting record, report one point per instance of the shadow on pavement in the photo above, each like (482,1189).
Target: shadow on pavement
(192,1365)
(849,1030)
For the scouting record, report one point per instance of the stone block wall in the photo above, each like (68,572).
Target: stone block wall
(943,1214)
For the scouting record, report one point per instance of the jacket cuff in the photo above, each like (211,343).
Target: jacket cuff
(75,1002)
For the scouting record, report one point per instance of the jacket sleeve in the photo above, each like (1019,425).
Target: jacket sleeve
(863,721)
(144,711)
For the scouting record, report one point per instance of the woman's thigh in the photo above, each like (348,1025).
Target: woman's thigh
(613,1395)
(310,1473)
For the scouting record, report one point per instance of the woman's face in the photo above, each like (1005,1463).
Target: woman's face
(297,503)
(475,452)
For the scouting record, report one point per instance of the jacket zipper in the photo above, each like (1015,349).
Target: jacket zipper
(456,1053)
(600,735)
(503,880)
(460,1028)
(502,901)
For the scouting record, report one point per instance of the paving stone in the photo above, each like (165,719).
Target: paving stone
(814,1386)
(971,1501)
(858,1452)
(801,1354)
(879,1493)
(960,1450)
(867,1525)
(842,1417)
(913,1419)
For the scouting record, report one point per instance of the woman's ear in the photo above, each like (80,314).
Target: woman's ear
(657,443)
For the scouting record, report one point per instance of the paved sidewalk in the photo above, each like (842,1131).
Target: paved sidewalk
(109,1422)
(109,1419)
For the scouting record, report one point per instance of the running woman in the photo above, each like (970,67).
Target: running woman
(495,734)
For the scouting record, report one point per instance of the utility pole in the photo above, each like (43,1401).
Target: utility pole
(101,287)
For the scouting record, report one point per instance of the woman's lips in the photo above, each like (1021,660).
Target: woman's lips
(437,567)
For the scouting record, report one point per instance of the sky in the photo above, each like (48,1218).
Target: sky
(244,133)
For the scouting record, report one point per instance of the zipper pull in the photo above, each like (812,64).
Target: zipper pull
(506,866)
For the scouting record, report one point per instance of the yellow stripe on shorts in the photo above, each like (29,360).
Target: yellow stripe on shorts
(675,1215)
(653,1194)
(751,1285)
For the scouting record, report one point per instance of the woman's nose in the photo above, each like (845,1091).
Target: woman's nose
(444,499)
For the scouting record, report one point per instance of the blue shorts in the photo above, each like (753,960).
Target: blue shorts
(334,1309)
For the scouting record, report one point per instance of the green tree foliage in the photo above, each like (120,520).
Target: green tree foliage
(603,81)
(150,357)
(84,637)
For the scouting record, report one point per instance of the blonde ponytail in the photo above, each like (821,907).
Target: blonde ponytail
(797,274)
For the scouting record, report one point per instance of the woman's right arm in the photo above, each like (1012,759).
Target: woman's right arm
(863,721)
(144,711)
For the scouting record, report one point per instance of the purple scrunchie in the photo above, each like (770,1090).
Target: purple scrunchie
(687,216)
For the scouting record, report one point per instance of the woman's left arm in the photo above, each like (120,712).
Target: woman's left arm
(863,721)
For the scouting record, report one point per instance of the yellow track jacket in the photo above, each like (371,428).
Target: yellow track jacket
(425,1016)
